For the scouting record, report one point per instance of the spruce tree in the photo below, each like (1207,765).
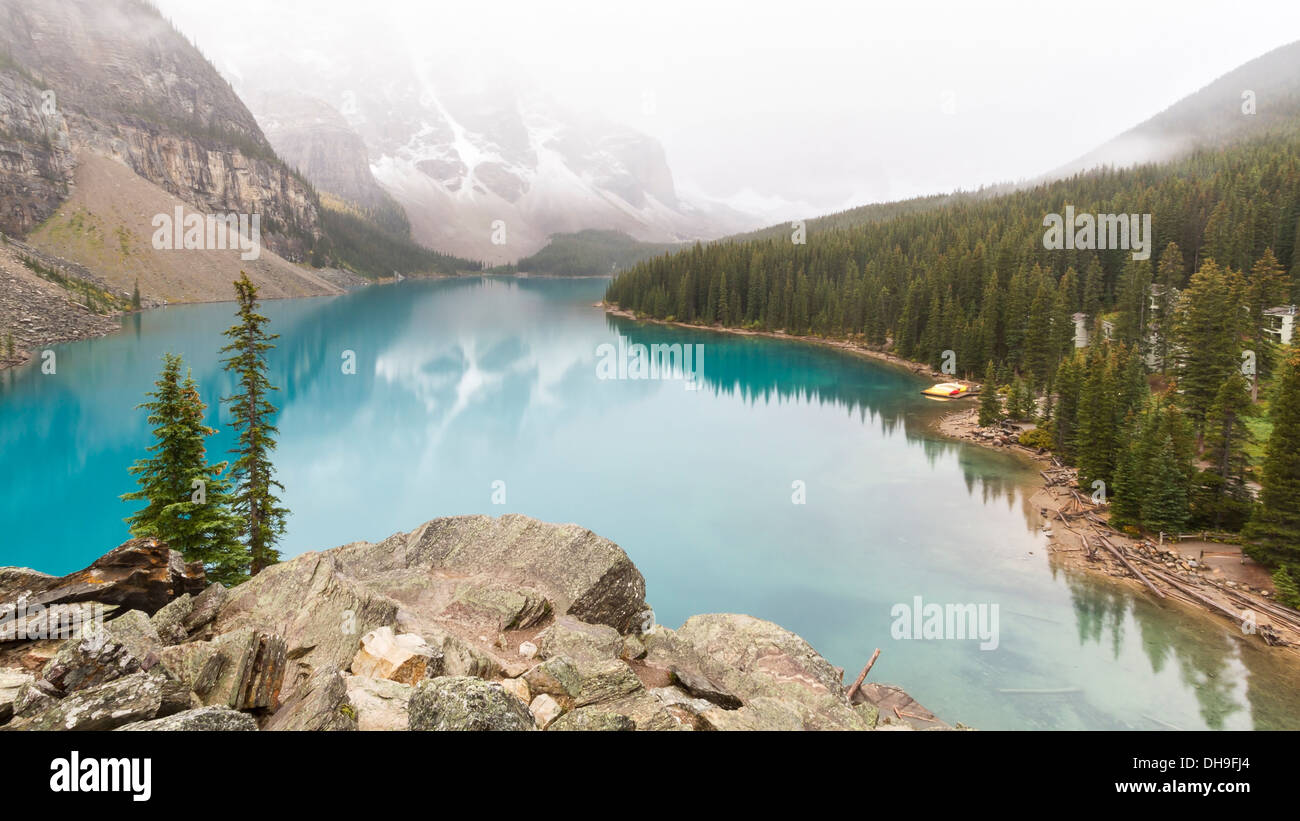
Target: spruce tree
(188,505)
(1164,505)
(1275,526)
(1222,498)
(990,412)
(255,498)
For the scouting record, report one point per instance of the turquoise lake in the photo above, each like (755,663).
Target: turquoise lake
(462,385)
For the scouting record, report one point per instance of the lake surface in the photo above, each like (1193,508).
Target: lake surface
(461,385)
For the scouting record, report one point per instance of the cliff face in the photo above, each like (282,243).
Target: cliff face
(113,78)
(314,138)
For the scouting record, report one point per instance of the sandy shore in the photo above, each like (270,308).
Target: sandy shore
(1208,576)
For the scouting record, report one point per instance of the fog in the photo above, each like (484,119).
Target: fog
(791,108)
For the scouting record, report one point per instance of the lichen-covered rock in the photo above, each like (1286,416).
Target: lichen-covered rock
(514,607)
(252,672)
(778,679)
(608,682)
(582,642)
(169,622)
(319,702)
(557,676)
(196,664)
(379,704)
(578,572)
(123,646)
(35,697)
(466,703)
(11,682)
(592,719)
(632,649)
(319,611)
(200,719)
(137,697)
(204,607)
(404,657)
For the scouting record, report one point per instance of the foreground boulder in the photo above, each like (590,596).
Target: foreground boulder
(137,697)
(466,623)
(379,704)
(219,719)
(142,574)
(11,683)
(100,654)
(465,703)
(758,674)
(404,658)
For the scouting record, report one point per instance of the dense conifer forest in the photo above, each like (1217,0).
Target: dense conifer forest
(1180,399)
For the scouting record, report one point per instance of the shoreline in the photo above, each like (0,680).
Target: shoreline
(884,357)
(1078,533)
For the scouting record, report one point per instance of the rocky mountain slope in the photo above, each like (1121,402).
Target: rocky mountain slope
(1251,98)
(461,147)
(111,77)
(466,623)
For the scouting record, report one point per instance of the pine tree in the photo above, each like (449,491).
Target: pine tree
(254,497)
(990,412)
(1275,526)
(187,500)
(1268,287)
(1222,498)
(1164,505)
(1208,333)
(135,296)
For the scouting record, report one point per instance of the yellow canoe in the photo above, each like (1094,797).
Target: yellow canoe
(948,390)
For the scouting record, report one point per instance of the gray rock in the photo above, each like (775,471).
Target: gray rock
(204,607)
(779,680)
(320,611)
(319,702)
(125,645)
(200,719)
(379,704)
(578,572)
(592,719)
(35,697)
(137,697)
(557,676)
(584,643)
(169,622)
(11,682)
(197,664)
(252,672)
(608,682)
(465,703)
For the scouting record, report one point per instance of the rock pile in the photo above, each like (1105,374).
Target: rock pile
(466,623)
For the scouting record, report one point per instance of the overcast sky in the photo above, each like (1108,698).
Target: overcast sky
(830,104)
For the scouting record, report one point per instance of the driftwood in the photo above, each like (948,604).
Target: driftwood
(863,675)
(1269,635)
(1129,565)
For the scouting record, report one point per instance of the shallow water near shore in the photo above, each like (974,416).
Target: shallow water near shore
(469,390)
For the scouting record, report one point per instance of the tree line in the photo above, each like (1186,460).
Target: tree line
(1160,406)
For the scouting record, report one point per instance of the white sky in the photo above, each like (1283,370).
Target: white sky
(827,103)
